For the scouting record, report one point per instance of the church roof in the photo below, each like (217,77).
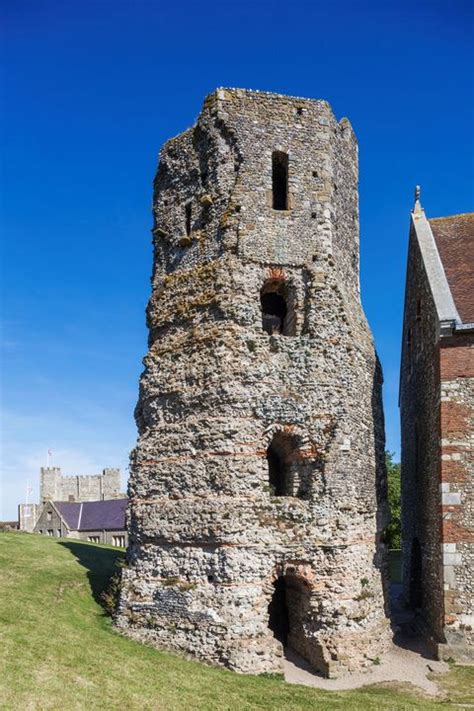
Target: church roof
(93,515)
(454,237)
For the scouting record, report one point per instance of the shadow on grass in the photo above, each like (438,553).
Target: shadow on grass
(101,564)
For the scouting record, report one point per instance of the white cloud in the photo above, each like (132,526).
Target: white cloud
(85,450)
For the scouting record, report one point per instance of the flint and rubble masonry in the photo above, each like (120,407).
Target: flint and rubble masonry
(258,490)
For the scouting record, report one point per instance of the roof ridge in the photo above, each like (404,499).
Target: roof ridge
(79,519)
(450,217)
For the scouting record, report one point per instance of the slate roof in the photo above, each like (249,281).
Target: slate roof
(93,515)
(454,237)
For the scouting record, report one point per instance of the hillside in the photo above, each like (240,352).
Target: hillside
(60,651)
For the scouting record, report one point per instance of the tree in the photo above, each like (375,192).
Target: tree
(393,530)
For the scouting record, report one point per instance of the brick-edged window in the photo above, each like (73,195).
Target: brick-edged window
(278,313)
(286,472)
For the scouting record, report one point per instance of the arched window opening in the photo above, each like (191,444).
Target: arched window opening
(278,313)
(416,576)
(288,473)
(291,618)
(278,473)
(280,180)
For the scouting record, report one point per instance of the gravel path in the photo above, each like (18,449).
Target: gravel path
(408,660)
(399,664)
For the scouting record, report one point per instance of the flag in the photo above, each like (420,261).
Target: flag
(50,454)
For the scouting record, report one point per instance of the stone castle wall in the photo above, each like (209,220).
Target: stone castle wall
(56,487)
(224,563)
(28,515)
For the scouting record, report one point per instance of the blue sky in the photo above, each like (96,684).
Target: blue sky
(90,91)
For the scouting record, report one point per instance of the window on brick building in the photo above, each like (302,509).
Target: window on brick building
(49,515)
(280,180)
(277,302)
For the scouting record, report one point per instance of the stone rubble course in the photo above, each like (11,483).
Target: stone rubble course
(211,543)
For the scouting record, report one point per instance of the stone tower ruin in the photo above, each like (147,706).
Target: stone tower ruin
(257,486)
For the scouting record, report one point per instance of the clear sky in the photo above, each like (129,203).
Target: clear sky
(92,88)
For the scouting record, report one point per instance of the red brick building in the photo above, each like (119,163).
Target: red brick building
(437,419)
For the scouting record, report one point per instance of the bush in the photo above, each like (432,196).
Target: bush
(393,530)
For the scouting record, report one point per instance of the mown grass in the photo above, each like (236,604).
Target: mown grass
(60,651)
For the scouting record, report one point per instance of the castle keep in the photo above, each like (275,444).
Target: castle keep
(54,486)
(257,486)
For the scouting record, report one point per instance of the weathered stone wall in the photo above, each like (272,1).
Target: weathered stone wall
(49,523)
(210,542)
(420,455)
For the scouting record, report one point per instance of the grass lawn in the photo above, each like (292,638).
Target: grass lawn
(60,651)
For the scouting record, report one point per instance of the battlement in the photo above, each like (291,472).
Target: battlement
(54,486)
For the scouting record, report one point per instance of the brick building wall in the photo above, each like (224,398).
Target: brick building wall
(457,482)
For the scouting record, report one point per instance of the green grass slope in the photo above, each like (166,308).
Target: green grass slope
(60,651)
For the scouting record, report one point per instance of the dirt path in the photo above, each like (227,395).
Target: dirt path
(409,660)
(401,665)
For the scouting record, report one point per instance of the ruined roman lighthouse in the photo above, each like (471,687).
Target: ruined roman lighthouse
(257,485)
